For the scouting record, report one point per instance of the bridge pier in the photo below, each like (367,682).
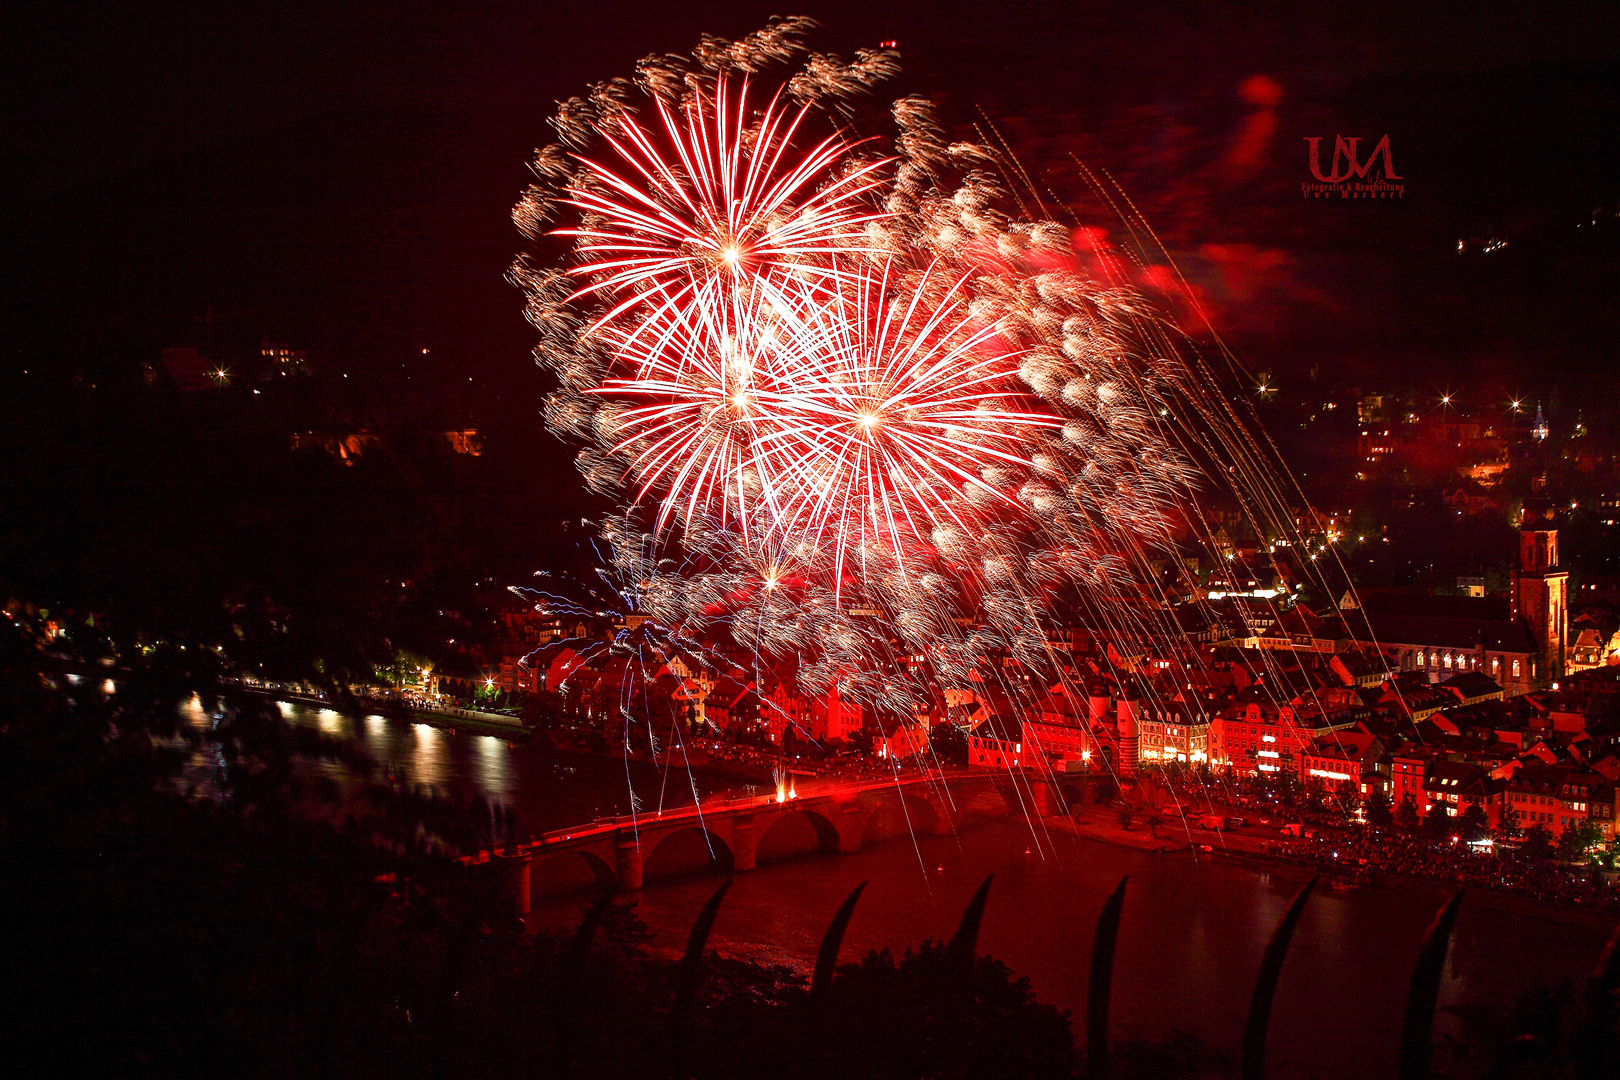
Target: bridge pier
(942,822)
(850,822)
(627,860)
(744,842)
(516,870)
(1040,797)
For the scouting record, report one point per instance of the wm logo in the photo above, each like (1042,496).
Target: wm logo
(1344,151)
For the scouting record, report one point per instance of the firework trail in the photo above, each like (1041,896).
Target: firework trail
(862,422)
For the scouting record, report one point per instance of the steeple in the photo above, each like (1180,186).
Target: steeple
(1541,590)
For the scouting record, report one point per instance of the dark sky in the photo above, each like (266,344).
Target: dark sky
(340,175)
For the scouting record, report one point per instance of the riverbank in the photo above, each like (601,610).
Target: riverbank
(448,718)
(1100,824)
(512,729)
(1478,895)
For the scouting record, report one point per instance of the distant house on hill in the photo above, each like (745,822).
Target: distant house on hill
(1586,651)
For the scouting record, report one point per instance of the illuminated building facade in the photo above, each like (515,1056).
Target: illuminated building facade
(1172,732)
(1261,738)
(1344,761)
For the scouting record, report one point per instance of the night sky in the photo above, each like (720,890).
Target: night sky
(340,176)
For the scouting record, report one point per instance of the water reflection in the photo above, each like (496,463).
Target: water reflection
(193,713)
(545,789)
(427,766)
(494,767)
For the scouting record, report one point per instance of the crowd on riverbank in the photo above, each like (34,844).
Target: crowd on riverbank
(1450,863)
(757,762)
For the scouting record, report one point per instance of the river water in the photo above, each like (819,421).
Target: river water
(1190,939)
(545,789)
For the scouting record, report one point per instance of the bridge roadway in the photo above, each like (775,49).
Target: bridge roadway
(617,849)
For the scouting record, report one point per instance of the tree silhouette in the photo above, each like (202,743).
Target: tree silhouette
(1439,822)
(949,743)
(1379,814)
(1507,825)
(1407,815)
(1538,843)
(1576,838)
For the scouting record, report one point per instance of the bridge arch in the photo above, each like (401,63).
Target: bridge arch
(782,825)
(568,871)
(692,849)
(987,801)
(895,814)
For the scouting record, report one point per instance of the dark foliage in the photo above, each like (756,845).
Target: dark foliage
(949,744)
(925,1015)
(1102,975)
(1424,989)
(1538,843)
(1379,813)
(173,515)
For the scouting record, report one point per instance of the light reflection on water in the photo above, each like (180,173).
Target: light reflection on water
(545,789)
(428,763)
(494,764)
(194,714)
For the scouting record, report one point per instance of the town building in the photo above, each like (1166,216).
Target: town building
(1457,785)
(1409,767)
(834,719)
(989,751)
(1172,732)
(1057,728)
(1556,796)
(1439,637)
(1345,761)
(1261,738)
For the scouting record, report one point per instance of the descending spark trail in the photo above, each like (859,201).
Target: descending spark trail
(869,433)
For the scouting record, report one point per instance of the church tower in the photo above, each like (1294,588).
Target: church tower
(1541,595)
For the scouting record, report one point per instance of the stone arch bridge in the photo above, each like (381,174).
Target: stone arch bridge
(617,849)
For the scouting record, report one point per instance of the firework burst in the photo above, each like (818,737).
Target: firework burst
(861,421)
(714,200)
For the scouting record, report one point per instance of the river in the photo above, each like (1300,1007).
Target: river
(1190,938)
(544,788)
